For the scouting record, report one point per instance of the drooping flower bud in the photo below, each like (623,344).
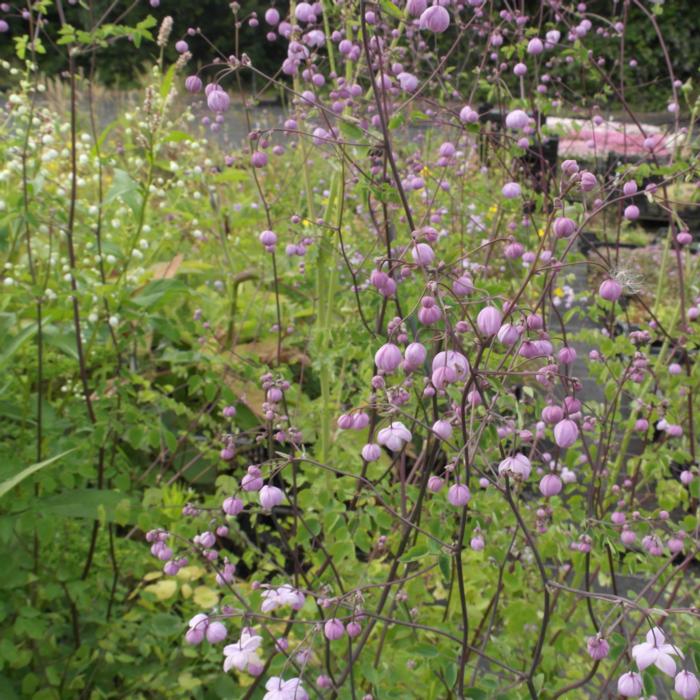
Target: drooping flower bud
(333,629)
(565,433)
(610,290)
(388,358)
(458,495)
(488,321)
(435,19)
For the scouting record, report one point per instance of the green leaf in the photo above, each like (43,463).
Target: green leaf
(415,553)
(126,188)
(159,292)
(391,9)
(167,81)
(90,504)
(13,481)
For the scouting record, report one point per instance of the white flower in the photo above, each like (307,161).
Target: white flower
(395,436)
(655,651)
(517,466)
(279,689)
(243,655)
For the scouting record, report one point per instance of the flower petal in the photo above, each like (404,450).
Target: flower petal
(645,655)
(655,637)
(665,663)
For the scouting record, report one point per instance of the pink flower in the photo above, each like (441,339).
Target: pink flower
(687,685)
(395,436)
(656,652)
(452,360)
(279,597)
(243,655)
(435,19)
(630,685)
(458,495)
(279,689)
(518,466)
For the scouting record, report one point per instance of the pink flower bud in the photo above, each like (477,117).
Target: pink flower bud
(477,543)
(272,17)
(353,629)
(435,483)
(468,116)
(258,159)
(435,19)
(598,648)
(193,83)
(216,632)
(333,629)
(388,358)
(489,321)
(627,537)
(414,356)
(629,188)
(422,254)
(631,212)
(517,119)
(270,496)
(610,290)
(508,334)
(552,414)
(564,227)
(687,685)
(550,485)
(371,452)
(458,495)
(415,8)
(565,433)
(344,421)
(535,46)
(218,101)
(630,685)
(268,238)
(588,181)
(442,429)
(463,286)
(511,190)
